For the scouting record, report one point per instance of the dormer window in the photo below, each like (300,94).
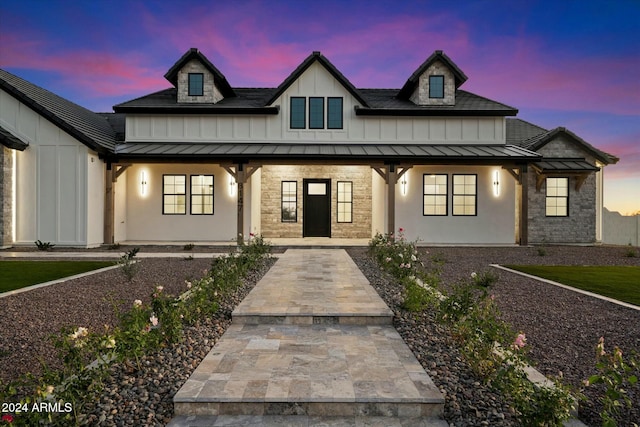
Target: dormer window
(436,86)
(196,84)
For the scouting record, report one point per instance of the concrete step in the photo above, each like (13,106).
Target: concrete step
(315,371)
(301,421)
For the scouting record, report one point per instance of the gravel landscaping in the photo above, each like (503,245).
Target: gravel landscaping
(562,329)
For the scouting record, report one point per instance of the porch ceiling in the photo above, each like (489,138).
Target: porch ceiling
(414,153)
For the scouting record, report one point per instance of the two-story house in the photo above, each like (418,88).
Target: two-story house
(315,156)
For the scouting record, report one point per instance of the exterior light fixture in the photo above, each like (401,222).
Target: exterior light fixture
(232,186)
(143,183)
(496,183)
(404,184)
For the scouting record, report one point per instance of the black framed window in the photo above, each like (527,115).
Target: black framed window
(557,197)
(434,193)
(465,195)
(334,113)
(196,84)
(436,86)
(345,201)
(201,194)
(174,194)
(316,113)
(298,109)
(289,201)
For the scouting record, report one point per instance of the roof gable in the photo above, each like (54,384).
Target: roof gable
(194,54)
(311,59)
(409,87)
(539,141)
(86,126)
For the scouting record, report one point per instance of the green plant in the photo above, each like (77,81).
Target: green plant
(128,264)
(617,375)
(114,246)
(630,252)
(188,247)
(44,246)
(542,251)
(484,279)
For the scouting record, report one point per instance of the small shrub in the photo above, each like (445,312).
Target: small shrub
(630,252)
(114,247)
(484,279)
(44,246)
(542,251)
(128,264)
(188,247)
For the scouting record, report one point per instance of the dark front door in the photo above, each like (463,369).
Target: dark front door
(316,208)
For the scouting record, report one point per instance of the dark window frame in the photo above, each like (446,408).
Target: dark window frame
(547,197)
(440,87)
(438,195)
(192,195)
(192,86)
(454,194)
(332,116)
(340,203)
(164,195)
(295,120)
(288,202)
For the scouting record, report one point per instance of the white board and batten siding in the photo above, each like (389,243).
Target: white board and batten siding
(55,173)
(315,81)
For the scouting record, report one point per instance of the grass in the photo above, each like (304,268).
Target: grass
(18,274)
(618,282)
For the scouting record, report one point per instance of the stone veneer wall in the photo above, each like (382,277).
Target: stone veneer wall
(580,225)
(421,94)
(272,176)
(211,94)
(6,168)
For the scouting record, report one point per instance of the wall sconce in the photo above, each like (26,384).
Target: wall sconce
(496,183)
(232,186)
(404,184)
(143,183)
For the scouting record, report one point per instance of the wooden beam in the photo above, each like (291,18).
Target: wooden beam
(391,198)
(524,206)
(514,173)
(539,181)
(109,204)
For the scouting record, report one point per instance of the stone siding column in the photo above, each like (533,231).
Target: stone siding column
(6,197)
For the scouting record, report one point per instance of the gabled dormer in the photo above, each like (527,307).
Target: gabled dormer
(434,82)
(197,80)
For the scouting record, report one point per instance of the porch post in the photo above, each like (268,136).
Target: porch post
(391,198)
(240,178)
(524,205)
(108,205)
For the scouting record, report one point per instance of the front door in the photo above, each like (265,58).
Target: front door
(316,208)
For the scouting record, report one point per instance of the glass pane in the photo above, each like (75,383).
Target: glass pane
(316,188)
(298,113)
(334,113)
(316,113)
(436,86)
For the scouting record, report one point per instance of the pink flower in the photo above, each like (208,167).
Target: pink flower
(154,320)
(520,341)
(401,230)
(600,347)
(7,418)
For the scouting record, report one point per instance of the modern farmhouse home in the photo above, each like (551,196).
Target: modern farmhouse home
(204,161)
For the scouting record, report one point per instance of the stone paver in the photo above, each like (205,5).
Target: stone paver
(275,367)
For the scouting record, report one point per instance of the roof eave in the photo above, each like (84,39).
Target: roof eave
(421,112)
(192,109)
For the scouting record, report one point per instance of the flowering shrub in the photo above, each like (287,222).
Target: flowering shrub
(142,328)
(473,318)
(617,375)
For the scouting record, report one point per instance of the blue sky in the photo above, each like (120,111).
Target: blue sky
(561,63)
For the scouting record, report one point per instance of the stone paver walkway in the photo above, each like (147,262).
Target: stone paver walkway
(312,344)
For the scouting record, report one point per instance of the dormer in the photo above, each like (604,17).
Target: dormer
(434,83)
(197,80)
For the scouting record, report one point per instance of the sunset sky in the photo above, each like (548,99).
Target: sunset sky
(561,63)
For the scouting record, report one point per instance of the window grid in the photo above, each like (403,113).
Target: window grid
(334,113)
(436,86)
(201,194)
(289,201)
(434,195)
(557,197)
(174,188)
(196,84)
(316,113)
(345,201)
(465,195)
(298,113)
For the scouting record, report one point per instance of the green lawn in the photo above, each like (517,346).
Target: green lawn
(618,282)
(18,274)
